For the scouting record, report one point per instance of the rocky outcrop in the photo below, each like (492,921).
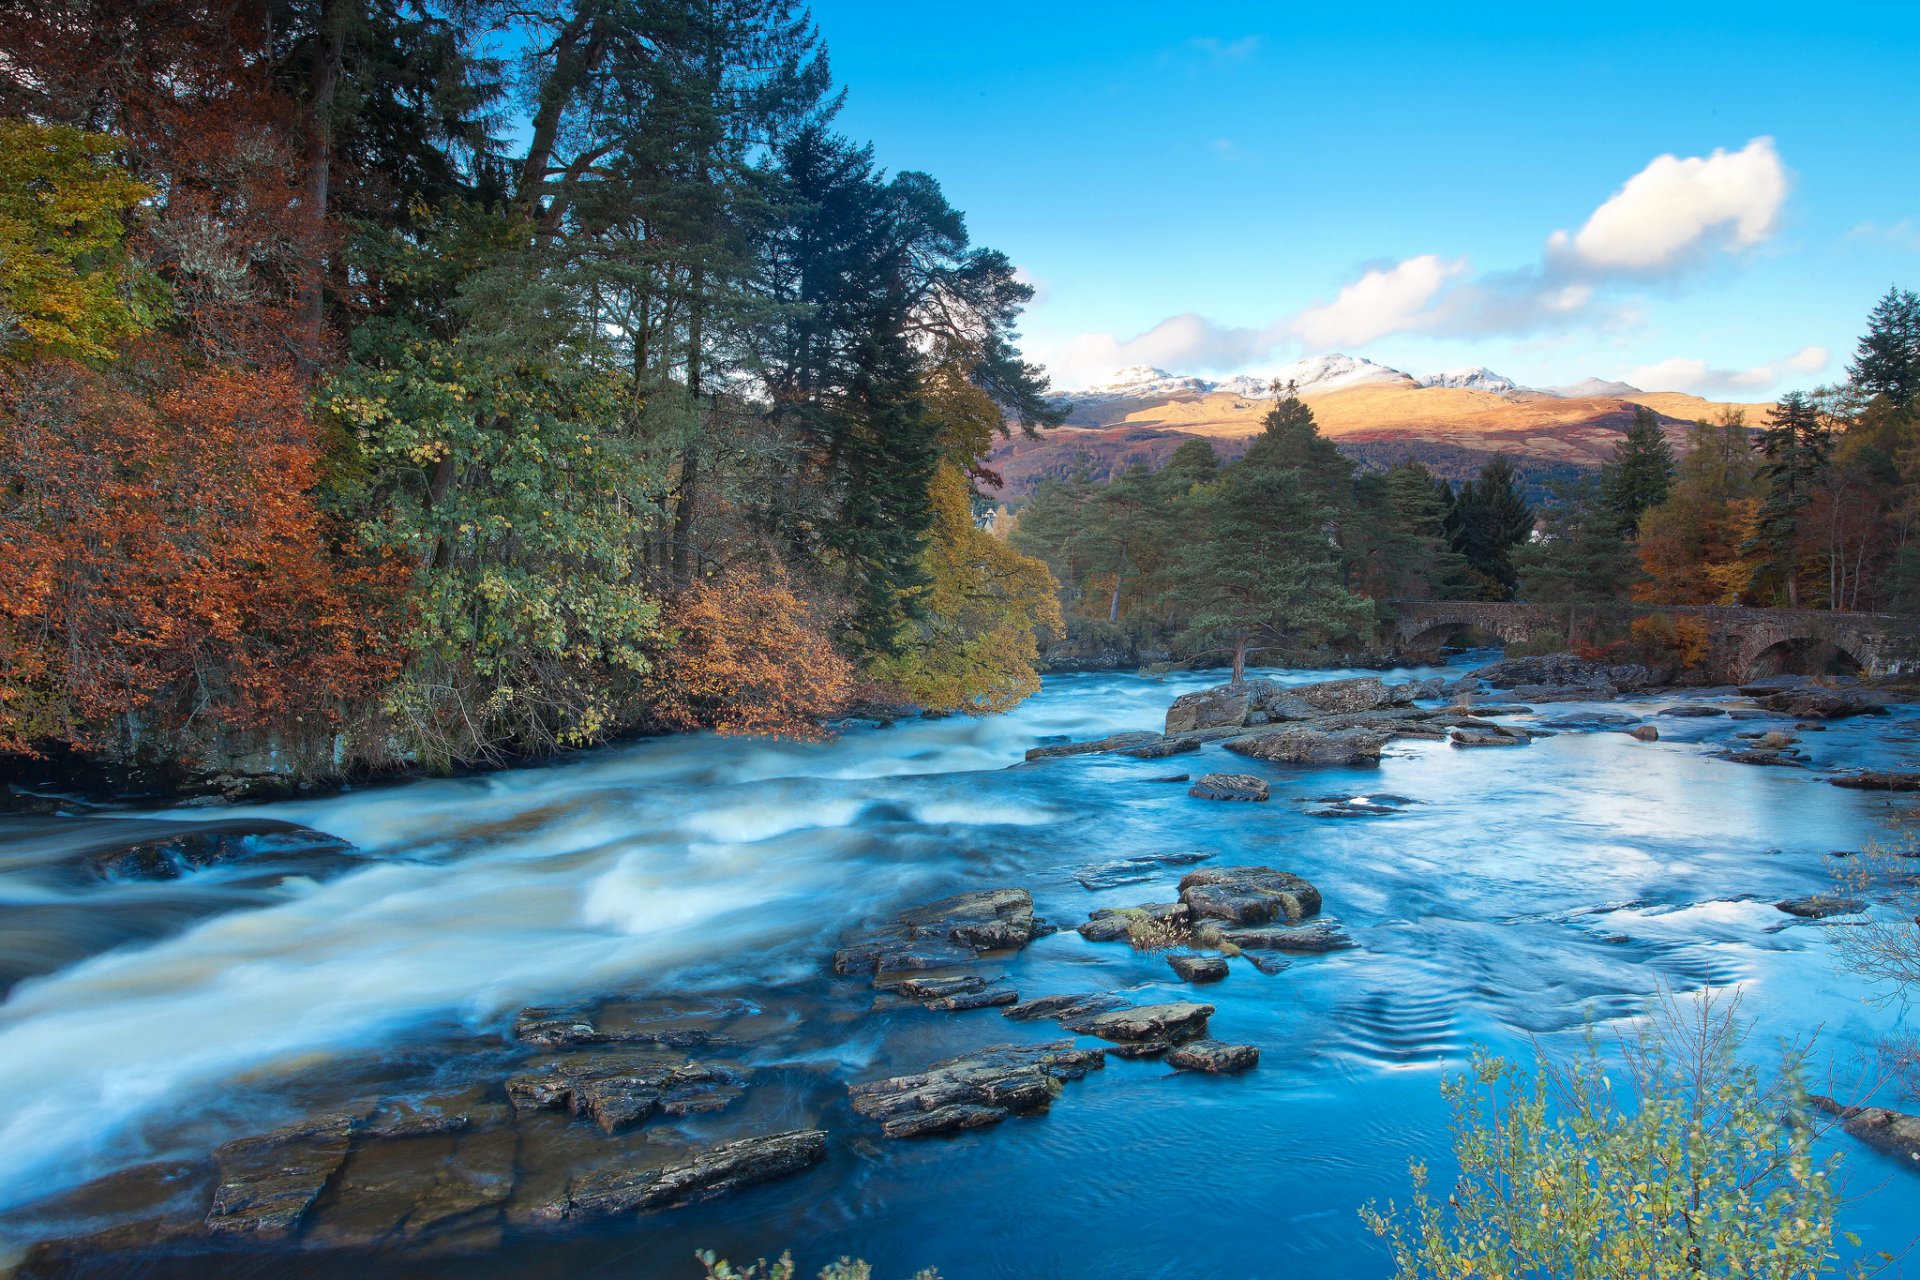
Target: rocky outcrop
(619,1188)
(1878,780)
(1324,935)
(1818,906)
(1563,677)
(1113,742)
(1229,786)
(1259,702)
(1198,969)
(1892,1133)
(1302,745)
(974,1089)
(940,934)
(1082,1005)
(1156,1023)
(1492,735)
(1821,704)
(1248,895)
(1216,1057)
(617,1092)
(269,1181)
(1224,706)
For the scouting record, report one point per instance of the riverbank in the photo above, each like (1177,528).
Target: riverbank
(682,902)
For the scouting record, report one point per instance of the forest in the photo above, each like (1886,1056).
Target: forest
(386,384)
(1295,548)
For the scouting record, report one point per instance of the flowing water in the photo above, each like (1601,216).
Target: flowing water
(1499,898)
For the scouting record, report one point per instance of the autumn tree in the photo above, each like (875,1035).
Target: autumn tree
(1690,543)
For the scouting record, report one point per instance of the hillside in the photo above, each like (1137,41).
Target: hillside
(1376,414)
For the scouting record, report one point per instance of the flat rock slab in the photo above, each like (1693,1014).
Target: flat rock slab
(974,1089)
(1113,742)
(1491,736)
(268,1182)
(1819,906)
(1198,968)
(729,1166)
(941,934)
(1176,1022)
(1317,937)
(555,1029)
(1303,745)
(1878,780)
(1692,710)
(1820,704)
(1215,1057)
(1229,786)
(1248,895)
(617,1092)
(1082,1005)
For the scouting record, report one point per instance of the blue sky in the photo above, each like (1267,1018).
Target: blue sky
(1225,187)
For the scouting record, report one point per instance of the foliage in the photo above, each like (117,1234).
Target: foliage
(1689,545)
(1691,1165)
(1796,448)
(68,286)
(1887,362)
(163,562)
(1579,556)
(746,654)
(1491,519)
(1662,639)
(1639,474)
(784,1269)
(971,643)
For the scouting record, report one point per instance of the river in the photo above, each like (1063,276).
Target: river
(1506,898)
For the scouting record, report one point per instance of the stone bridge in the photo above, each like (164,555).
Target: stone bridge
(1746,644)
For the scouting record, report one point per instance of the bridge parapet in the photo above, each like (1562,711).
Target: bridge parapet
(1744,642)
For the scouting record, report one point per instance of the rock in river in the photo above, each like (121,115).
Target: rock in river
(1229,786)
(1303,745)
(1878,780)
(268,1182)
(1893,1132)
(1819,906)
(940,934)
(619,1188)
(1216,1057)
(1821,704)
(1176,1022)
(1198,968)
(1248,895)
(974,1089)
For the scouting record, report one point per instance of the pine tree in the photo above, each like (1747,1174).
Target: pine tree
(1796,448)
(1887,362)
(1492,519)
(1640,473)
(1580,556)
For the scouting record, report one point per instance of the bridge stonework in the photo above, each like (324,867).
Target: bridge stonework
(1743,641)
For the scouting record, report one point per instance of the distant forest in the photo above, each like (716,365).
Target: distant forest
(1291,547)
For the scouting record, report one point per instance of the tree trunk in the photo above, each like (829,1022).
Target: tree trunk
(683,508)
(328,52)
(1119,577)
(1240,657)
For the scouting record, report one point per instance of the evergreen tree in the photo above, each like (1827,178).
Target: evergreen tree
(1640,473)
(1492,518)
(1795,448)
(1580,556)
(1887,362)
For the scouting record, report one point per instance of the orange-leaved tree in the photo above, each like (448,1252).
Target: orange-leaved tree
(749,655)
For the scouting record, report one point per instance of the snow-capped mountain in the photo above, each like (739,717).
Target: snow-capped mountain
(1476,377)
(1142,382)
(1329,372)
(1596,387)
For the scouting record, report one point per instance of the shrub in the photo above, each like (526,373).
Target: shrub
(843,1269)
(1695,1167)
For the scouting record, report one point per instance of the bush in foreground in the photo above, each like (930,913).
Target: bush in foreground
(1689,1166)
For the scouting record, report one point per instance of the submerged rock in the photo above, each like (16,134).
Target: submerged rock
(1214,1056)
(1113,742)
(712,1172)
(1229,786)
(1082,1005)
(1692,710)
(974,1089)
(553,1029)
(1487,736)
(268,1182)
(617,1093)
(1248,895)
(1136,870)
(1644,733)
(1893,1133)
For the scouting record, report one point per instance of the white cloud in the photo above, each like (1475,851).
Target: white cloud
(1669,218)
(1905,233)
(1679,373)
(1384,300)
(1226,50)
(1675,210)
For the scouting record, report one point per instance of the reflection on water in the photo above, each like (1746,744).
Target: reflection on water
(1503,894)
